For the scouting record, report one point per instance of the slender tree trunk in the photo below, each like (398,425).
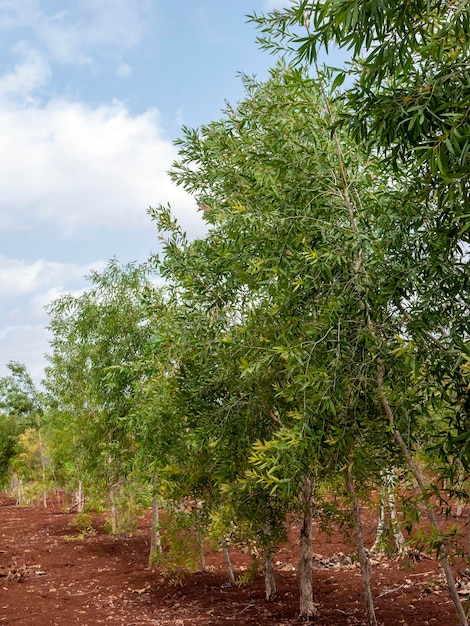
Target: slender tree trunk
(419,477)
(468,537)
(113,511)
(307,608)
(379,535)
(20,499)
(200,542)
(269,580)
(387,501)
(43,468)
(228,561)
(396,530)
(155,539)
(363,557)
(80,497)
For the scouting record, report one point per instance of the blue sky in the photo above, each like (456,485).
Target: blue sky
(92,95)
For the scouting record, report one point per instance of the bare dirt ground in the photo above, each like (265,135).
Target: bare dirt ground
(48,576)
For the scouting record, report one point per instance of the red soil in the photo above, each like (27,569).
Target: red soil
(50,576)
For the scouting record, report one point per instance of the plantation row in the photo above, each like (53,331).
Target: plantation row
(313,345)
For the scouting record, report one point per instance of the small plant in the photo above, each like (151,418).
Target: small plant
(84,525)
(250,574)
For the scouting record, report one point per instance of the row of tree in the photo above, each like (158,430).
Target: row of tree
(316,339)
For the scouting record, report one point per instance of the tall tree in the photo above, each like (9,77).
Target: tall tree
(21,407)
(94,336)
(282,260)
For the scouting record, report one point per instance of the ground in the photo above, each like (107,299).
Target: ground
(50,575)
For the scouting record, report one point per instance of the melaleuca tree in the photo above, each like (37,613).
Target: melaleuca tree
(21,408)
(284,261)
(218,416)
(90,389)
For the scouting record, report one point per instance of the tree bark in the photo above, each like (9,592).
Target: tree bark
(200,541)
(113,511)
(228,561)
(387,500)
(363,557)
(43,468)
(307,608)
(155,539)
(80,497)
(269,580)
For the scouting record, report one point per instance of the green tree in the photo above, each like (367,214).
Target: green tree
(21,407)
(281,273)
(90,389)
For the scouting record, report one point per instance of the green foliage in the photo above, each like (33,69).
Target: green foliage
(180,553)
(84,525)
(8,445)
(98,338)
(20,408)
(432,542)
(19,397)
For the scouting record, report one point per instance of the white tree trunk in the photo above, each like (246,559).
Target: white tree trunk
(362,553)
(307,608)
(228,561)
(387,502)
(80,497)
(155,538)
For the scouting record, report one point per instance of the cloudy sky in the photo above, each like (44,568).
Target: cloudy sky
(92,95)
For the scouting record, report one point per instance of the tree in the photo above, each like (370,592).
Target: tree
(96,336)
(21,408)
(281,273)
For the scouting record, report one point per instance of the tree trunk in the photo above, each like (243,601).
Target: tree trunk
(269,580)
(387,501)
(18,488)
(307,608)
(468,537)
(155,539)
(200,542)
(43,468)
(80,498)
(379,535)
(363,557)
(228,562)
(396,530)
(113,511)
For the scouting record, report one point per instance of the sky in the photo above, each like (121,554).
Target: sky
(93,94)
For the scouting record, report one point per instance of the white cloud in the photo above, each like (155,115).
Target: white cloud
(26,344)
(80,167)
(18,278)
(31,73)
(76,34)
